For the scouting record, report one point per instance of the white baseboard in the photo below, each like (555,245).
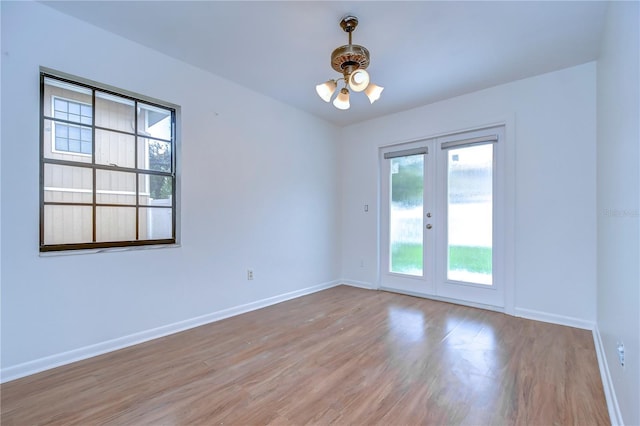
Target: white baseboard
(359,284)
(31,367)
(615,416)
(554,318)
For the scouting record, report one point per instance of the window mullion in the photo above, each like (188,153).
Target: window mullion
(93,162)
(136,165)
(106,167)
(174,178)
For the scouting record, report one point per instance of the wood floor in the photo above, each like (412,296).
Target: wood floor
(340,356)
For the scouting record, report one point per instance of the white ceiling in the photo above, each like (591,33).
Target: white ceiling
(421,52)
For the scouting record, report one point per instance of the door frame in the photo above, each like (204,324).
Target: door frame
(504,235)
(467,291)
(426,282)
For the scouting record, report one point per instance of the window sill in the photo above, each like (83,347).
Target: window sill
(107,250)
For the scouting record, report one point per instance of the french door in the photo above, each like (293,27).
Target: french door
(441,217)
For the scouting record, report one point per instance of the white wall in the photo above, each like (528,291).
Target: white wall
(258,185)
(618,202)
(551,126)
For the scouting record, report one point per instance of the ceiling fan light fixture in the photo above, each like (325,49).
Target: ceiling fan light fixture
(327,89)
(373,92)
(342,100)
(359,80)
(351,60)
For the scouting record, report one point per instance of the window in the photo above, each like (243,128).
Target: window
(69,137)
(107,168)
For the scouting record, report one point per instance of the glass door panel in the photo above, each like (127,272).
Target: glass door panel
(470,214)
(406,215)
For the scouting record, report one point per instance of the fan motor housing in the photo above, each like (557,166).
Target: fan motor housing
(349,57)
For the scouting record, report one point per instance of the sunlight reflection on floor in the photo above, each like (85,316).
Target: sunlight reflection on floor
(406,324)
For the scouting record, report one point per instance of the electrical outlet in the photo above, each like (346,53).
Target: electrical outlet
(621,353)
(249,274)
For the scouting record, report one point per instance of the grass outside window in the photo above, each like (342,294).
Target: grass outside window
(407,257)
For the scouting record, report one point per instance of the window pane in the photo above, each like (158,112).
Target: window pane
(114,112)
(58,148)
(67,224)
(115,224)
(406,235)
(74,145)
(155,223)
(85,147)
(62,130)
(65,109)
(154,121)
(74,132)
(68,184)
(69,138)
(86,111)
(85,134)
(115,187)
(60,106)
(114,148)
(155,190)
(62,144)
(57,95)
(154,155)
(470,214)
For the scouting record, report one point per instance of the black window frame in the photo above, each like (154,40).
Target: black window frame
(94,167)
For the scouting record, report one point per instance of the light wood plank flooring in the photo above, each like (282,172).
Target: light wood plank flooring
(340,356)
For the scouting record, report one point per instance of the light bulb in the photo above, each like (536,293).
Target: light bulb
(359,80)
